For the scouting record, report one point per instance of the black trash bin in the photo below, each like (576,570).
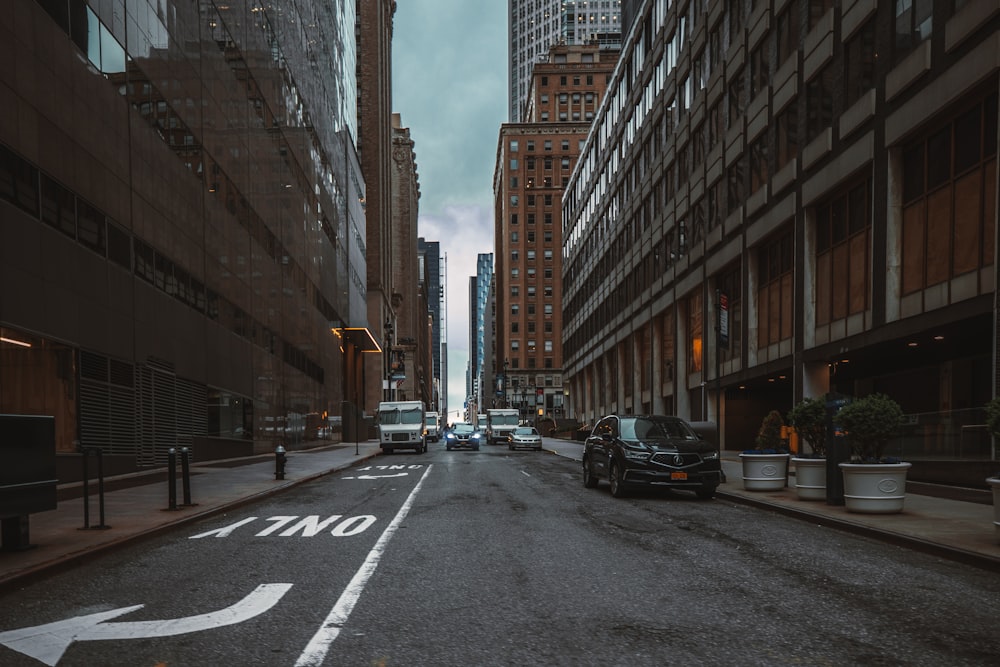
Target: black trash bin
(27,475)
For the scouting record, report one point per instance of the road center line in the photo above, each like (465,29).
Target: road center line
(316,649)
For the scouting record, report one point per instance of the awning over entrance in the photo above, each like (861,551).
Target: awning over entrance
(360,337)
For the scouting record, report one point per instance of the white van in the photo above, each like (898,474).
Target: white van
(401,426)
(433,426)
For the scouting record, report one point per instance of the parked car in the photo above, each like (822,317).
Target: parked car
(524,436)
(658,450)
(462,434)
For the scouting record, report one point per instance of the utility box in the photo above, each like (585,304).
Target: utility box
(27,474)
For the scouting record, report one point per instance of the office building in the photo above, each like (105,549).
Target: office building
(534,162)
(790,201)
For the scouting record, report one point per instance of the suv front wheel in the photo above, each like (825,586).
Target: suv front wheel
(615,478)
(589,481)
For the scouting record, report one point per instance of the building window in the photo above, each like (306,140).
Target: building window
(513,218)
(548,309)
(949,204)
(787,142)
(515,310)
(859,52)
(515,290)
(843,272)
(819,103)
(788,32)
(914,21)
(759,68)
(513,146)
(774,291)
(513,237)
(759,172)
(548,346)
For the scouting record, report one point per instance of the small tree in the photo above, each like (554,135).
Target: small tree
(870,422)
(769,436)
(809,420)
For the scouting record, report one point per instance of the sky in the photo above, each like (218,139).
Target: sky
(449,85)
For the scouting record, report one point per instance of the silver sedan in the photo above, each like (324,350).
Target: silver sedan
(524,436)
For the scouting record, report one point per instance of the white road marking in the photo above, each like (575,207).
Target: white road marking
(525,473)
(316,650)
(47,643)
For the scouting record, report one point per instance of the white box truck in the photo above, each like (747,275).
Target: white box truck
(433,426)
(401,425)
(499,423)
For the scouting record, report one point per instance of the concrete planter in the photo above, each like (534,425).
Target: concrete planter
(764,472)
(810,478)
(874,488)
(994,483)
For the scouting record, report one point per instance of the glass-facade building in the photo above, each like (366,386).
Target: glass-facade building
(182,215)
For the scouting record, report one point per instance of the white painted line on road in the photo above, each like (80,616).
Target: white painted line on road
(316,650)
(525,473)
(47,643)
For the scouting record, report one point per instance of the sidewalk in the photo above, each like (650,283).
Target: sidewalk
(958,530)
(953,529)
(59,538)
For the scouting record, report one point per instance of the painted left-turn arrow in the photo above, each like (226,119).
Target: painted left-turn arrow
(47,643)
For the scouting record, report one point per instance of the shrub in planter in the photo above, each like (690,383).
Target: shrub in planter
(769,440)
(809,420)
(870,422)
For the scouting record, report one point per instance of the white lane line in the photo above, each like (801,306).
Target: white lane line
(316,650)
(525,473)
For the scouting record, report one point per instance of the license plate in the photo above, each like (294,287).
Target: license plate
(678,475)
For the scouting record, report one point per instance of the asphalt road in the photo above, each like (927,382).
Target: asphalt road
(502,558)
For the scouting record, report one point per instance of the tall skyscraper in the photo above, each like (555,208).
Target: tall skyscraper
(535,25)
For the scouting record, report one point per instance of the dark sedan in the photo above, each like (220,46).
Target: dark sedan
(650,450)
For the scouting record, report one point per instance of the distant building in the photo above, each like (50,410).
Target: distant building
(535,25)
(479,290)
(780,204)
(534,162)
(432,284)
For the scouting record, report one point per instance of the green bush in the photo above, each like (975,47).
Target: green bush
(870,422)
(769,436)
(809,420)
(993,417)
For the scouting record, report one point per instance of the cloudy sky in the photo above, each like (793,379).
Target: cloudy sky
(449,86)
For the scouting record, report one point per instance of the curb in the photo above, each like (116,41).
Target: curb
(67,561)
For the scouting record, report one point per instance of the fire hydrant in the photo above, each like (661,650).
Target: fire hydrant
(279,463)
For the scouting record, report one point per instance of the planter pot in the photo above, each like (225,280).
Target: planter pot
(874,488)
(810,478)
(994,482)
(764,472)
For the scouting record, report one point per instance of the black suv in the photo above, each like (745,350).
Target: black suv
(650,450)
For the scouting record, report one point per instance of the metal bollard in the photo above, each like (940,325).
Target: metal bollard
(279,462)
(186,475)
(172,479)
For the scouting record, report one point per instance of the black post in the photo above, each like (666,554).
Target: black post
(172,479)
(84,454)
(186,475)
(100,486)
(837,449)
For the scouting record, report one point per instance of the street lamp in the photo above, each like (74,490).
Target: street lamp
(387,331)
(506,363)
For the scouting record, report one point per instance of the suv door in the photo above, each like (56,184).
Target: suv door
(600,446)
